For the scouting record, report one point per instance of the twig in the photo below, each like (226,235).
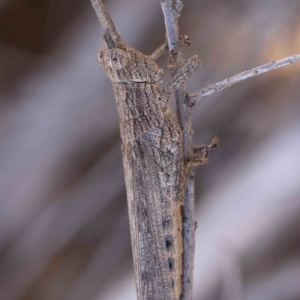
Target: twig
(183,114)
(193,98)
(171,25)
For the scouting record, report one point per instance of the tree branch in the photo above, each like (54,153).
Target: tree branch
(171,12)
(171,24)
(193,98)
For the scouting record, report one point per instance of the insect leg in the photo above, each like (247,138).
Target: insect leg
(163,49)
(182,72)
(200,160)
(177,7)
(159,52)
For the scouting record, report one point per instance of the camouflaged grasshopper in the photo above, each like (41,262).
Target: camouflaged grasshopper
(152,156)
(156,169)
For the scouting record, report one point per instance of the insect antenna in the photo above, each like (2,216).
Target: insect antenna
(105,20)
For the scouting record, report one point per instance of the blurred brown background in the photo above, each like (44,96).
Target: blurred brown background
(63,220)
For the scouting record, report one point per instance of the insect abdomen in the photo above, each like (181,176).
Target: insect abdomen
(151,141)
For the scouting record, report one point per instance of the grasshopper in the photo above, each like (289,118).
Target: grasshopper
(154,169)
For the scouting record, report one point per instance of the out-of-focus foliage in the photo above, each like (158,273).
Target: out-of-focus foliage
(63,220)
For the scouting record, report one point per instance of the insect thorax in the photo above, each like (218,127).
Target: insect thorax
(139,108)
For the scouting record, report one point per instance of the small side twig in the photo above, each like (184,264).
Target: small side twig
(193,98)
(171,12)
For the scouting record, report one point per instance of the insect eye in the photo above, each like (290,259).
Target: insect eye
(100,56)
(116,58)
